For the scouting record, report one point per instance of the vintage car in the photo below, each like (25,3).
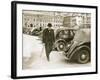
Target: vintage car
(63,36)
(77,47)
(36,31)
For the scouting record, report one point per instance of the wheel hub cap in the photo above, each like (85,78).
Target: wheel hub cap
(61,46)
(83,56)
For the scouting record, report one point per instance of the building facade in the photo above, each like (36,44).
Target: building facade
(36,19)
(83,20)
(41,20)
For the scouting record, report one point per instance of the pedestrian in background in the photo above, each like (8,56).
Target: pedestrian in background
(48,39)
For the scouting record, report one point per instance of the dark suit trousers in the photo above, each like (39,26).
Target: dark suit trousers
(48,49)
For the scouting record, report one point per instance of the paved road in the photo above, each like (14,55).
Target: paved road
(34,56)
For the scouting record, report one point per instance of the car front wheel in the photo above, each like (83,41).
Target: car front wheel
(83,55)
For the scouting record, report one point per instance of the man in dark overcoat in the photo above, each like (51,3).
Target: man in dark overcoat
(48,39)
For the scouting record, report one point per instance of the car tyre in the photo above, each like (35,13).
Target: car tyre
(83,55)
(61,46)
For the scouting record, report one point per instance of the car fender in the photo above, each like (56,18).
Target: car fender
(69,56)
(59,40)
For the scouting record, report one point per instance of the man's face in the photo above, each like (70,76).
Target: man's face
(49,27)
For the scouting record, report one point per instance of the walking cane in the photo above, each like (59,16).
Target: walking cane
(42,51)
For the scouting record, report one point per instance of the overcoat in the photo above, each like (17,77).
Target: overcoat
(48,39)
